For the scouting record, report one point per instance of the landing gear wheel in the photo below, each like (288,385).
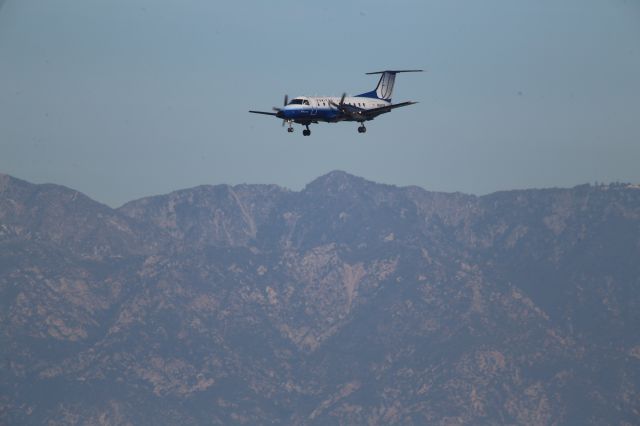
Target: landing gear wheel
(306,132)
(362,129)
(290,129)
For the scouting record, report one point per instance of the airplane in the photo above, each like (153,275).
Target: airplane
(305,110)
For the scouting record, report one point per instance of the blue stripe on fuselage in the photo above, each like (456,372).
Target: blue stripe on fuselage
(308,113)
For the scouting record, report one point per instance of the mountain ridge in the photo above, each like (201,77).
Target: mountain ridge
(347,302)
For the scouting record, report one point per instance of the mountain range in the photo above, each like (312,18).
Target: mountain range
(348,302)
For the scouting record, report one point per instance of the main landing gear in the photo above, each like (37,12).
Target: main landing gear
(306,132)
(362,129)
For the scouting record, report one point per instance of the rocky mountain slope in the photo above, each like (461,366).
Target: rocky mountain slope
(349,302)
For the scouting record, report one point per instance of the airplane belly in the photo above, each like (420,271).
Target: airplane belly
(325,115)
(329,115)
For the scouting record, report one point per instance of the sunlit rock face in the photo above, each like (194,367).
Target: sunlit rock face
(348,302)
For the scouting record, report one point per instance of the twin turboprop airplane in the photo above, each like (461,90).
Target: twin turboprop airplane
(305,110)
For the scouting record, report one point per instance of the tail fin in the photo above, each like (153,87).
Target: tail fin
(384,89)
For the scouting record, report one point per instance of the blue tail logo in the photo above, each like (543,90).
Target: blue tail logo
(385,85)
(384,89)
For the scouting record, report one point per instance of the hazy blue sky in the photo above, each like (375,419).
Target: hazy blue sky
(127,98)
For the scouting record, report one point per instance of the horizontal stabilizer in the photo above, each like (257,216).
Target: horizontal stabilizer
(393,71)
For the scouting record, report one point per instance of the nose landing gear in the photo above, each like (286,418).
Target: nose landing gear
(362,129)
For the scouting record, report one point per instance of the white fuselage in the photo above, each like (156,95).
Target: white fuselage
(323,108)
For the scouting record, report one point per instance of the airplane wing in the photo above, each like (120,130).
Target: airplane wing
(357,113)
(377,111)
(275,114)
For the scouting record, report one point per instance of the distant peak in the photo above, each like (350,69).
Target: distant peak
(336,177)
(336,181)
(6,177)
(338,174)
(8,181)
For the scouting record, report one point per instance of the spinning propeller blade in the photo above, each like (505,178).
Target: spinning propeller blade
(341,104)
(286,101)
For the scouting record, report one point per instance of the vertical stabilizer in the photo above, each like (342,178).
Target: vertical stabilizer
(384,89)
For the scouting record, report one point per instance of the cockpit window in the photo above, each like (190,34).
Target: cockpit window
(299,102)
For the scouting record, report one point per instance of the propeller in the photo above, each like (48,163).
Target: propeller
(286,101)
(352,111)
(341,104)
(278,110)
